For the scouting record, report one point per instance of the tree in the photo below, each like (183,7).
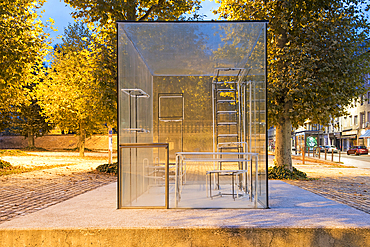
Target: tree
(23,46)
(315,62)
(69,95)
(26,119)
(106,12)
(101,17)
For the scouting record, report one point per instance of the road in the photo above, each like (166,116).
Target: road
(360,161)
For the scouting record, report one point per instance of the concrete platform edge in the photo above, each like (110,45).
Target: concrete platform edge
(113,237)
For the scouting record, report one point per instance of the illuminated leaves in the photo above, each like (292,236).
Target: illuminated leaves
(101,17)
(70,95)
(314,55)
(23,47)
(315,59)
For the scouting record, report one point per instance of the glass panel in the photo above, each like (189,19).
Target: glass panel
(196,127)
(143,177)
(200,87)
(135,91)
(190,48)
(260,116)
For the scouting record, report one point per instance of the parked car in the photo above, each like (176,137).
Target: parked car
(332,148)
(357,150)
(329,148)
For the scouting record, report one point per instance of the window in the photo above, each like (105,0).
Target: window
(355,120)
(362,120)
(368,97)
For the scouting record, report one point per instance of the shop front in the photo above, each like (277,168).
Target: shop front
(348,139)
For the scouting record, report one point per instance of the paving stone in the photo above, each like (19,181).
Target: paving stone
(30,197)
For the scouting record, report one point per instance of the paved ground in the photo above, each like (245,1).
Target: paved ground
(29,192)
(290,207)
(296,218)
(21,194)
(350,186)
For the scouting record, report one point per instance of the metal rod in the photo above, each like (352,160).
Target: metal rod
(177,180)
(167,178)
(256,182)
(213,115)
(130,194)
(136,173)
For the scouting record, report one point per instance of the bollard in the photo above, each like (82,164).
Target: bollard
(319,152)
(332,155)
(339,155)
(325,153)
(303,154)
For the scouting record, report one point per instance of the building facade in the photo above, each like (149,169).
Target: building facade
(355,124)
(343,132)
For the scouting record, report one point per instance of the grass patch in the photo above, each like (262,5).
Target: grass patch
(4,164)
(108,168)
(34,149)
(340,166)
(6,168)
(281,173)
(13,152)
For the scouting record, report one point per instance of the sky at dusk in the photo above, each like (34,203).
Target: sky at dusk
(60,13)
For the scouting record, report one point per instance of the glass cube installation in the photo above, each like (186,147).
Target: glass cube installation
(192,115)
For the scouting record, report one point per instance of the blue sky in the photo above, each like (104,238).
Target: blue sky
(60,13)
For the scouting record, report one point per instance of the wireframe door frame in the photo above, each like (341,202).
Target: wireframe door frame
(163,117)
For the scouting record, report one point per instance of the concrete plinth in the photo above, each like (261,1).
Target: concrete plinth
(296,218)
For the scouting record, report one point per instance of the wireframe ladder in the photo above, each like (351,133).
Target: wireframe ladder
(226,109)
(227,114)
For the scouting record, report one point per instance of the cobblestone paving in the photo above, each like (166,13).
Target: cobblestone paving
(348,186)
(22,195)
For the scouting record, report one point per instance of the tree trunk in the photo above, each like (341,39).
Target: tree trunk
(81,140)
(283,154)
(31,139)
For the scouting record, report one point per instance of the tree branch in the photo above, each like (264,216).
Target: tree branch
(151,9)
